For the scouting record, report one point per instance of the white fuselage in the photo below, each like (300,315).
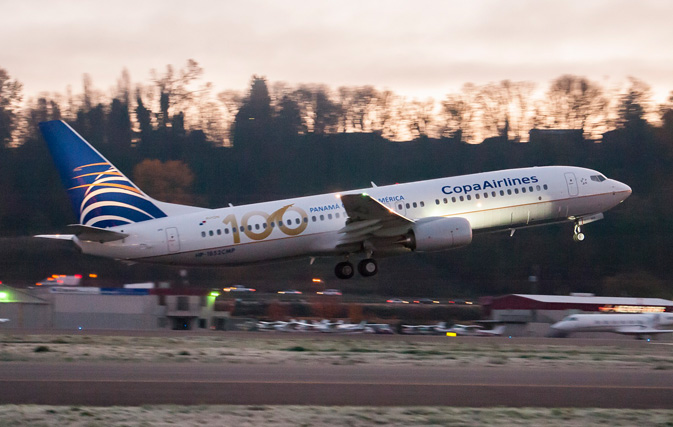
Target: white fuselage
(618,323)
(309,226)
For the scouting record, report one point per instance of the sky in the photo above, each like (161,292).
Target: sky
(416,48)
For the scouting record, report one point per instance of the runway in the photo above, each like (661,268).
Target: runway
(104,384)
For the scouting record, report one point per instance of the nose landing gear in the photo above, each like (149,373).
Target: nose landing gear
(578,236)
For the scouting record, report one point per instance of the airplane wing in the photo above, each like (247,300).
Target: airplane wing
(367,217)
(642,331)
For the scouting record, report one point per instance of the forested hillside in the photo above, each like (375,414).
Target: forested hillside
(181,142)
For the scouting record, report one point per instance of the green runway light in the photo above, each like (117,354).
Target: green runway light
(3,295)
(214,294)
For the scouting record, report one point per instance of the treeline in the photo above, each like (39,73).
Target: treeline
(183,143)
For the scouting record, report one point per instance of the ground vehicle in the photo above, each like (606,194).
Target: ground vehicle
(238,288)
(425,301)
(330,292)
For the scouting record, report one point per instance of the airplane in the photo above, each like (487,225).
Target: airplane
(436,329)
(639,325)
(118,220)
(4,320)
(475,331)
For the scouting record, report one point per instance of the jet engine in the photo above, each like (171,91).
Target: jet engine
(437,234)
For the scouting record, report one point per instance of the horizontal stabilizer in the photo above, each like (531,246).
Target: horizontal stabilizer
(95,234)
(56,236)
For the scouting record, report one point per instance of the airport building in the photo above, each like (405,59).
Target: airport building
(73,308)
(20,309)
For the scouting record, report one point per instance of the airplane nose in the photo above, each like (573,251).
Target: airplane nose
(620,187)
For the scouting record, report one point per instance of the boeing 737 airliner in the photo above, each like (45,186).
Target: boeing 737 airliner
(118,220)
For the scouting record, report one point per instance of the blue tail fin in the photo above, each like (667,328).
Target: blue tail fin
(101,196)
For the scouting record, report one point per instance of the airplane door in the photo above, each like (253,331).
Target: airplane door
(173,239)
(571,181)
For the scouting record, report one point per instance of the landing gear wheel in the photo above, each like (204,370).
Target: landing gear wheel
(367,267)
(578,236)
(344,270)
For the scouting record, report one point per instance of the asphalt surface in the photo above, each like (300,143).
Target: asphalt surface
(104,384)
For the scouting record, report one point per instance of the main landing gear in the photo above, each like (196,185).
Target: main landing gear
(367,268)
(578,236)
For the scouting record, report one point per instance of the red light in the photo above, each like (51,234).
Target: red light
(78,276)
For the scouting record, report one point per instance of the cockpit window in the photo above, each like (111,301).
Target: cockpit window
(598,178)
(571,318)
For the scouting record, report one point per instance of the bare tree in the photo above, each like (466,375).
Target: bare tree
(10,98)
(574,102)
(457,114)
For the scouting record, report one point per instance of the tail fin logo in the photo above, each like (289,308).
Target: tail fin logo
(100,194)
(108,198)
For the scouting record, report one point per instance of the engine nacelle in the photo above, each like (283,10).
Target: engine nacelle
(437,234)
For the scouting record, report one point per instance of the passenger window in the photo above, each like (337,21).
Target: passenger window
(493,193)
(476,196)
(516,191)
(453,199)
(256,226)
(313,218)
(530,188)
(306,219)
(408,205)
(219,232)
(415,205)
(537,187)
(264,225)
(485,195)
(226,231)
(337,215)
(203,234)
(297,221)
(523,189)
(322,217)
(210,233)
(399,207)
(462,198)
(289,222)
(509,192)
(329,216)
(436,201)
(545,186)
(469,197)
(502,192)
(445,200)
(422,204)
(249,227)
